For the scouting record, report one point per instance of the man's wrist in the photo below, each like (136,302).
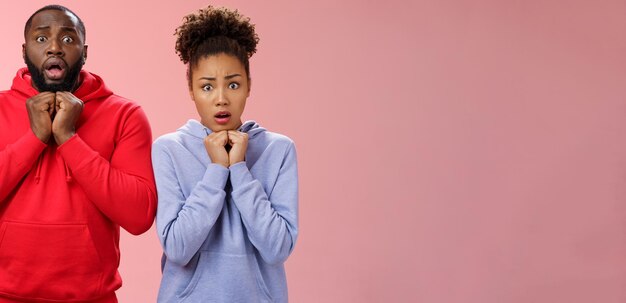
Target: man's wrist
(62,138)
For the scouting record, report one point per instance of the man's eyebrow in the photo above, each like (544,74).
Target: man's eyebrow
(64,28)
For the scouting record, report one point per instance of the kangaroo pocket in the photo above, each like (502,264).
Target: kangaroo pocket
(48,261)
(225,278)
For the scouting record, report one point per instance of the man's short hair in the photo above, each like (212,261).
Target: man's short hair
(56,7)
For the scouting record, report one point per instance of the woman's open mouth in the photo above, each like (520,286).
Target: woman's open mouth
(222,117)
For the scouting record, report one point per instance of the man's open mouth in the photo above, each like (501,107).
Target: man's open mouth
(54,69)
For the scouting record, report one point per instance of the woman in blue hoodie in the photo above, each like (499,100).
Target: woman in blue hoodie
(227,214)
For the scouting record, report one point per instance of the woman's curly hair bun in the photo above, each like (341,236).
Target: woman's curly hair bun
(213,22)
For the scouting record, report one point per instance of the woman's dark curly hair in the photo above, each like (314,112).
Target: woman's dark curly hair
(212,31)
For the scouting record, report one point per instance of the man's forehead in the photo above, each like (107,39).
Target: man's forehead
(57,17)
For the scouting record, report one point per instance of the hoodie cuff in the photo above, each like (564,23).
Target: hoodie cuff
(215,176)
(76,152)
(27,148)
(240,175)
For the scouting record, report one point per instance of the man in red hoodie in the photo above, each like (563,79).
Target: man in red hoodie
(74,167)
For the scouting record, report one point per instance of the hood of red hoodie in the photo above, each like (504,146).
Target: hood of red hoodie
(91,88)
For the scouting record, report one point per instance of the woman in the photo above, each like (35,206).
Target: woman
(228,190)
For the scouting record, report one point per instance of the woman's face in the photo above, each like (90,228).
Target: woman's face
(219,88)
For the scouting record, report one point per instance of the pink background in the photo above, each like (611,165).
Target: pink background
(449,151)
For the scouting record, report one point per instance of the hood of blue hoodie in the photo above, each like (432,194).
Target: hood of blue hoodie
(196,129)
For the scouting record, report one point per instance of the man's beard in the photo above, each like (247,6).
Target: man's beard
(69,82)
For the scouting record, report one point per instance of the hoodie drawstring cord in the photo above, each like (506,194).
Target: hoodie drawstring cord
(68,175)
(39,165)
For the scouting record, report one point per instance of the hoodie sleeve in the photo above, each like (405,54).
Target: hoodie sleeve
(184,223)
(122,189)
(16,160)
(271,221)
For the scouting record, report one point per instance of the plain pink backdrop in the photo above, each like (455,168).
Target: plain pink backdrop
(449,151)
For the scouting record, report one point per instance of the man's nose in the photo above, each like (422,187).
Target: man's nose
(54,48)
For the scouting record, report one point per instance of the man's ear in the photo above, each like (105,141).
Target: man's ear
(24,51)
(85,53)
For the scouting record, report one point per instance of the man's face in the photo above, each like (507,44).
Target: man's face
(54,51)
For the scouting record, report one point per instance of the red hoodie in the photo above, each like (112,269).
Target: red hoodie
(61,206)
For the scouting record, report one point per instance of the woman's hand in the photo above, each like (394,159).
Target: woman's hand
(215,144)
(239,142)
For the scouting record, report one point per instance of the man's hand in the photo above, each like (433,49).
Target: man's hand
(239,142)
(215,144)
(68,109)
(41,109)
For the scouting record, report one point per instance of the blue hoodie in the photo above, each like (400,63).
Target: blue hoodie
(225,232)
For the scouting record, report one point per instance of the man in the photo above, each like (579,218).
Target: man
(74,167)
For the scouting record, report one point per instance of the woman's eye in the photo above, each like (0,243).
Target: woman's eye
(233,85)
(207,88)
(41,39)
(68,39)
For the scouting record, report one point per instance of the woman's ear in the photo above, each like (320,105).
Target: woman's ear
(249,86)
(191,95)
(188,74)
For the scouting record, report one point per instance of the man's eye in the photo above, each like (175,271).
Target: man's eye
(41,39)
(233,85)
(68,39)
